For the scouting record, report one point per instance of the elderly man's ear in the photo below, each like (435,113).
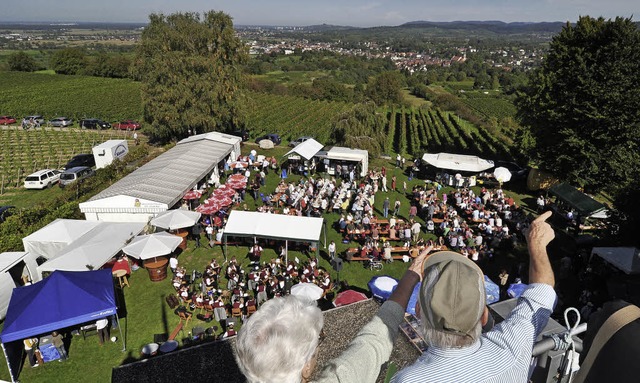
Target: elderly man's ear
(485,316)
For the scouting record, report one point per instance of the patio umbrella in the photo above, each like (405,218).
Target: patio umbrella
(176,219)
(492,290)
(225,190)
(237,178)
(266,144)
(237,185)
(348,297)
(382,286)
(192,194)
(152,245)
(208,209)
(219,200)
(307,290)
(502,174)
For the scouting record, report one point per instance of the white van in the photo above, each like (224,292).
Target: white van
(42,179)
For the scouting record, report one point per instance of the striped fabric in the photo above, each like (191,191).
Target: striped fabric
(501,355)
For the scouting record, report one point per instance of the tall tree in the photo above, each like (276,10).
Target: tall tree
(581,108)
(386,88)
(21,62)
(190,68)
(69,61)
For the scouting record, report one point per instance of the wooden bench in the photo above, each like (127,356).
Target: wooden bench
(175,331)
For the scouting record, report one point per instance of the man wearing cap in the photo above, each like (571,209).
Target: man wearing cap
(453,312)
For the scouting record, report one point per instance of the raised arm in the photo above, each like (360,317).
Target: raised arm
(538,237)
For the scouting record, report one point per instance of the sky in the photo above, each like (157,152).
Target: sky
(358,13)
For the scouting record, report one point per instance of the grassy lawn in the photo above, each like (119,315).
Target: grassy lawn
(146,313)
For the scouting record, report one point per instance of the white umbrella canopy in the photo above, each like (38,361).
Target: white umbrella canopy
(307,290)
(152,245)
(266,144)
(176,219)
(502,174)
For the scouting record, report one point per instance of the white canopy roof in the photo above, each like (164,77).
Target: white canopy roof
(307,149)
(277,226)
(9,259)
(94,248)
(626,259)
(347,154)
(164,180)
(53,238)
(457,162)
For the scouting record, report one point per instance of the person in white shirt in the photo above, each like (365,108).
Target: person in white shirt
(332,250)
(173,264)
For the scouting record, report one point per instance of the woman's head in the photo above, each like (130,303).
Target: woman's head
(276,342)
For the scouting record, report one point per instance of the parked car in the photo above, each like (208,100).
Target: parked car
(74,174)
(273,137)
(81,160)
(7,120)
(61,122)
(94,123)
(42,179)
(5,212)
(127,125)
(298,141)
(35,119)
(242,133)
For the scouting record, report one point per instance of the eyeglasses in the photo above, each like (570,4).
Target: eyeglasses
(321,338)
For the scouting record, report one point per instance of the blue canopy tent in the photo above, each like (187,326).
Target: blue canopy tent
(64,299)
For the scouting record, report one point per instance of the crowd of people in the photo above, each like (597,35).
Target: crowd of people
(245,289)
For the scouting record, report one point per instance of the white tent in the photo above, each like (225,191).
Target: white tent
(13,266)
(274,226)
(160,184)
(306,150)
(626,259)
(94,248)
(457,162)
(53,238)
(347,154)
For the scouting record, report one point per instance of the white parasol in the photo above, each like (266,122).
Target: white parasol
(307,290)
(266,144)
(502,174)
(176,219)
(152,245)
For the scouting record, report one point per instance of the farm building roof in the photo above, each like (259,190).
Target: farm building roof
(168,177)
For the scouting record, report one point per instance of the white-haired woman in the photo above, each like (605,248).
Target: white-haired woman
(278,343)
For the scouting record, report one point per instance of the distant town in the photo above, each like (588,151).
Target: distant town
(289,40)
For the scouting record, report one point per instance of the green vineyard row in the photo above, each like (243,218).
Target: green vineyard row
(24,151)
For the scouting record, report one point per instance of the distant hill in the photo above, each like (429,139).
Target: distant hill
(490,26)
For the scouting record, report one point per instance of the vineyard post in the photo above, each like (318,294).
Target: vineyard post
(18,179)
(2,185)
